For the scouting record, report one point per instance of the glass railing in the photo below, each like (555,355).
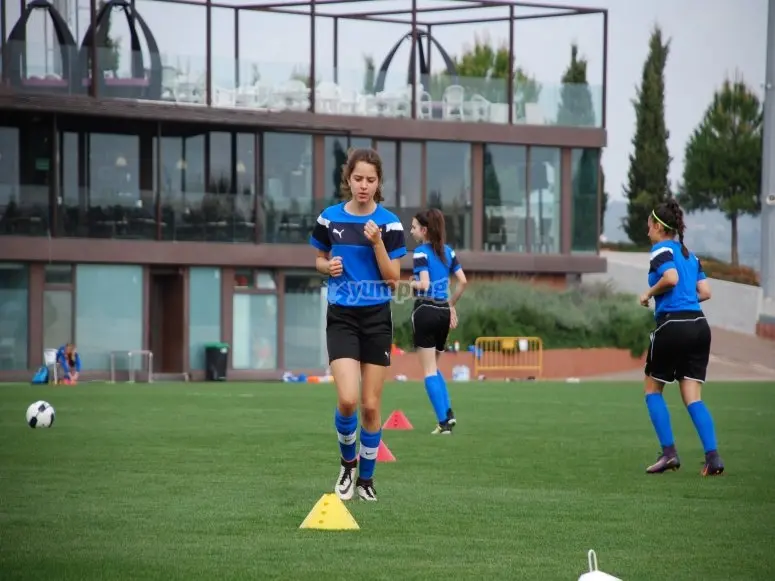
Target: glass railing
(84,213)
(208,217)
(33,67)
(287,221)
(276,86)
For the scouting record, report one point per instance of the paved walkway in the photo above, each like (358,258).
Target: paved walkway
(734,357)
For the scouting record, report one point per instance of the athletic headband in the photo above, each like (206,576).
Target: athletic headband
(657,218)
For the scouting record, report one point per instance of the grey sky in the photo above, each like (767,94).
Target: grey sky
(710,39)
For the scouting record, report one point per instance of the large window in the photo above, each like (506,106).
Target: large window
(288,207)
(336,148)
(182,185)
(106,185)
(305,322)
(204,311)
(208,186)
(448,182)
(505,198)
(14,281)
(254,341)
(387,152)
(58,305)
(109,313)
(410,186)
(544,200)
(25,154)
(585,165)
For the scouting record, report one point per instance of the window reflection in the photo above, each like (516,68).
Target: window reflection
(288,208)
(448,181)
(304,322)
(410,185)
(106,189)
(505,198)
(13,316)
(25,160)
(544,211)
(585,169)
(255,331)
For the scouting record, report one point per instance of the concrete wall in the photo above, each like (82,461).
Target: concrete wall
(734,306)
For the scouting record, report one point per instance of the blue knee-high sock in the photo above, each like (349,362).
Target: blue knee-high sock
(435,391)
(703,422)
(346,426)
(444,390)
(660,418)
(368,454)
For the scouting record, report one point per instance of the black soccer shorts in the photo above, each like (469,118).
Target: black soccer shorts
(680,347)
(361,333)
(430,324)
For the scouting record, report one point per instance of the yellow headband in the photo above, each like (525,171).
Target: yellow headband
(654,215)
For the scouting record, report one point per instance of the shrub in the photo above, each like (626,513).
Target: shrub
(725,271)
(713,268)
(584,317)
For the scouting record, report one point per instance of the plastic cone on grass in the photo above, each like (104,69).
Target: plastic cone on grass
(397,421)
(330,514)
(384,454)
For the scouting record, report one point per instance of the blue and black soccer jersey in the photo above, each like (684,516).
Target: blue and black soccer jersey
(341,234)
(683,296)
(425,259)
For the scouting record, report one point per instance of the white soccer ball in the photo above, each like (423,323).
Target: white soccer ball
(40,415)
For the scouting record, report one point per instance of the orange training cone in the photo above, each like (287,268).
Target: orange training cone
(397,421)
(384,454)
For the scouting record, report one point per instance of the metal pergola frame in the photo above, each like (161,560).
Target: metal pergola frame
(317,9)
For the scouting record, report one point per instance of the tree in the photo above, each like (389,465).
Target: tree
(647,182)
(370,76)
(484,70)
(722,163)
(575,108)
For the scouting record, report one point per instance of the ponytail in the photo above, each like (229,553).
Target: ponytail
(671,216)
(433,220)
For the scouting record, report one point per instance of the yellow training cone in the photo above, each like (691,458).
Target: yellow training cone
(329,514)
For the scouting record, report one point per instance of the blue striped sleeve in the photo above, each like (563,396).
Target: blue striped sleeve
(394,241)
(420,262)
(319,237)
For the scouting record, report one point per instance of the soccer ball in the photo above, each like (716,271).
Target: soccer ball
(40,415)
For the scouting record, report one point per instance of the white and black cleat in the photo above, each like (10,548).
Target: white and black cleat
(345,484)
(366,490)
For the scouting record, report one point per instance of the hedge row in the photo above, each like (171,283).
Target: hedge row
(713,268)
(584,317)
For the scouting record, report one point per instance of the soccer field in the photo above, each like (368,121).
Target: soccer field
(211,481)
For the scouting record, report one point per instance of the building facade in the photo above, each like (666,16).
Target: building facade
(159,214)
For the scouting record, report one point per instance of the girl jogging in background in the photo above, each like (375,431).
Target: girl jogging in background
(680,344)
(434,312)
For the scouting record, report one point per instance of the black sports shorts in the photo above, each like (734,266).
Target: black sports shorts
(361,333)
(430,324)
(680,347)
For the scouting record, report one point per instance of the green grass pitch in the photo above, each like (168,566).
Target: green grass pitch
(211,481)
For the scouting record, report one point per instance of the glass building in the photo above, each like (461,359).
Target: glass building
(168,205)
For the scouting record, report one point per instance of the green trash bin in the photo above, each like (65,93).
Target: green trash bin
(216,361)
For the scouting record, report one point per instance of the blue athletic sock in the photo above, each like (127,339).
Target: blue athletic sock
(703,422)
(444,391)
(346,426)
(368,455)
(660,418)
(433,387)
